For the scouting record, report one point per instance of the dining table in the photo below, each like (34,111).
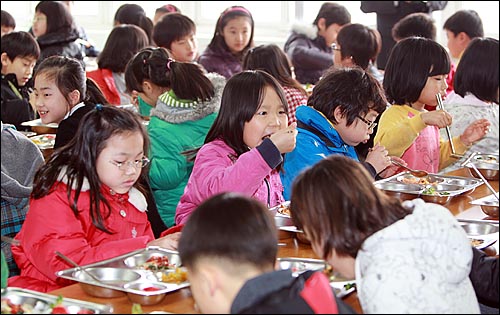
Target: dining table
(181,301)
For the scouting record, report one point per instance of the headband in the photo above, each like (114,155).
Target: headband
(233,9)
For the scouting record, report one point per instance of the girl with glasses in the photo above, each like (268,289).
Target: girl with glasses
(87,201)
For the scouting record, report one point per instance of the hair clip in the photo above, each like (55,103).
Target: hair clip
(98,107)
(170,60)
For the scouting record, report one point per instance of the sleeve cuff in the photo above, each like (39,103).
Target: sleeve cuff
(270,153)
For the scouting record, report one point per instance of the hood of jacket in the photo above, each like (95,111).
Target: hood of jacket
(308,30)
(57,38)
(135,197)
(167,110)
(18,173)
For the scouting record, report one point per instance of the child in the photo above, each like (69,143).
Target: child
(233,37)
(238,277)
(64,95)
(122,44)
(96,208)
(309,47)
(415,72)
(243,148)
(177,33)
(131,13)
(475,95)
(56,31)
(340,114)
(163,10)
(406,258)
(180,121)
(8,23)
(20,52)
(21,158)
(273,60)
(416,24)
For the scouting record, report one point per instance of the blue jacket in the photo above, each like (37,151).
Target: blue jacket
(316,139)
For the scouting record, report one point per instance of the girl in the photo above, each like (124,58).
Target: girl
(122,44)
(180,121)
(97,210)
(64,95)
(233,37)
(415,72)
(243,149)
(406,258)
(476,94)
(55,31)
(273,60)
(131,13)
(177,33)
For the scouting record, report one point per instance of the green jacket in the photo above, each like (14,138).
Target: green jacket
(176,126)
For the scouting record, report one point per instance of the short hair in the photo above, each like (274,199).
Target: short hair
(167,8)
(360,42)
(411,62)
(477,72)
(130,13)
(415,24)
(231,227)
(337,203)
(122,44)
(241,98)
(8,20)
(353,90)
(59,19)
(218,42)
(333,13)
(20,44)
(172,27)
(272,59)
(467,21)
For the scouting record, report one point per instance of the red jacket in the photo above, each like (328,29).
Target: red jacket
(51,226)
(104,79)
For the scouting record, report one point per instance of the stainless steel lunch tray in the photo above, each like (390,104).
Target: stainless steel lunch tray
(452,185)
(25,296)
(129,262)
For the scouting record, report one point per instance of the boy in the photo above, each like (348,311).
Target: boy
(177,34)
(340,114)
(229,247)
(8,23)
(20,52)
(461,28)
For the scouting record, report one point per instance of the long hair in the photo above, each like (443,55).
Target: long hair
(77,160)
(130,13)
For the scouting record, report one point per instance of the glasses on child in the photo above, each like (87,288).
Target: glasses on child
(370,124)
(335,46)
(39,18)
(136,164)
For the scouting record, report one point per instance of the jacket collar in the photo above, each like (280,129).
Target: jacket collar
(308,30)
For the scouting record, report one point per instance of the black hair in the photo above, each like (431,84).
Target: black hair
(245,220)
(167,8)
(416,24)
(20,44)
(359,42)
(172,27)
(121,45)
(467,21)
(477,72)
(59,19)
(130,13)
(353,90)
(8,20)
(411,62)
(333,13)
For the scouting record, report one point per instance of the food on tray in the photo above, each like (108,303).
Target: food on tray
(177,276)
(476,242)
(432,191)
(284,209)
(417,180)
(40,307)
(44,140)
(487,159)
(157,263)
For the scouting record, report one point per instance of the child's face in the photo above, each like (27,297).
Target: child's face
(359,131)
(269,118)
(237,34)
(184,49)
(50,103)
(454,45)
(7,29)
(434,85)
(329,33)
(39,26)
(125,148)
(22,67)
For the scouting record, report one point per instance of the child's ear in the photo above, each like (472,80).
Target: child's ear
(337,113)
(322,24)
(74,97)
(5,59)
(210,277)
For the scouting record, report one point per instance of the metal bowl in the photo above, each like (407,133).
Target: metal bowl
(137,292)
(116,277)
(439,199)
(400,190)
(139,259)
(488,170)
(490,208)
(476,229)
(38,305)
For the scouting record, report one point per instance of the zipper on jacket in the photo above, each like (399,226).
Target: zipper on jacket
(268,193)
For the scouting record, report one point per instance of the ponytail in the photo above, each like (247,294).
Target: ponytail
(94,94)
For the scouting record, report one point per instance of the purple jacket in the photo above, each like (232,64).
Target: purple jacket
(217,169)
(220,61)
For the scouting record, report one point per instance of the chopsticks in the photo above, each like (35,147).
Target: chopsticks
(448,132)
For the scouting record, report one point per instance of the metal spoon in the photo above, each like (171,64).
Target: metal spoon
(416,173)
(69,260)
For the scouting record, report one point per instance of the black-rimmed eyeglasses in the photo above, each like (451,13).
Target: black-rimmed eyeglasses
(335,46)
(371,124)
